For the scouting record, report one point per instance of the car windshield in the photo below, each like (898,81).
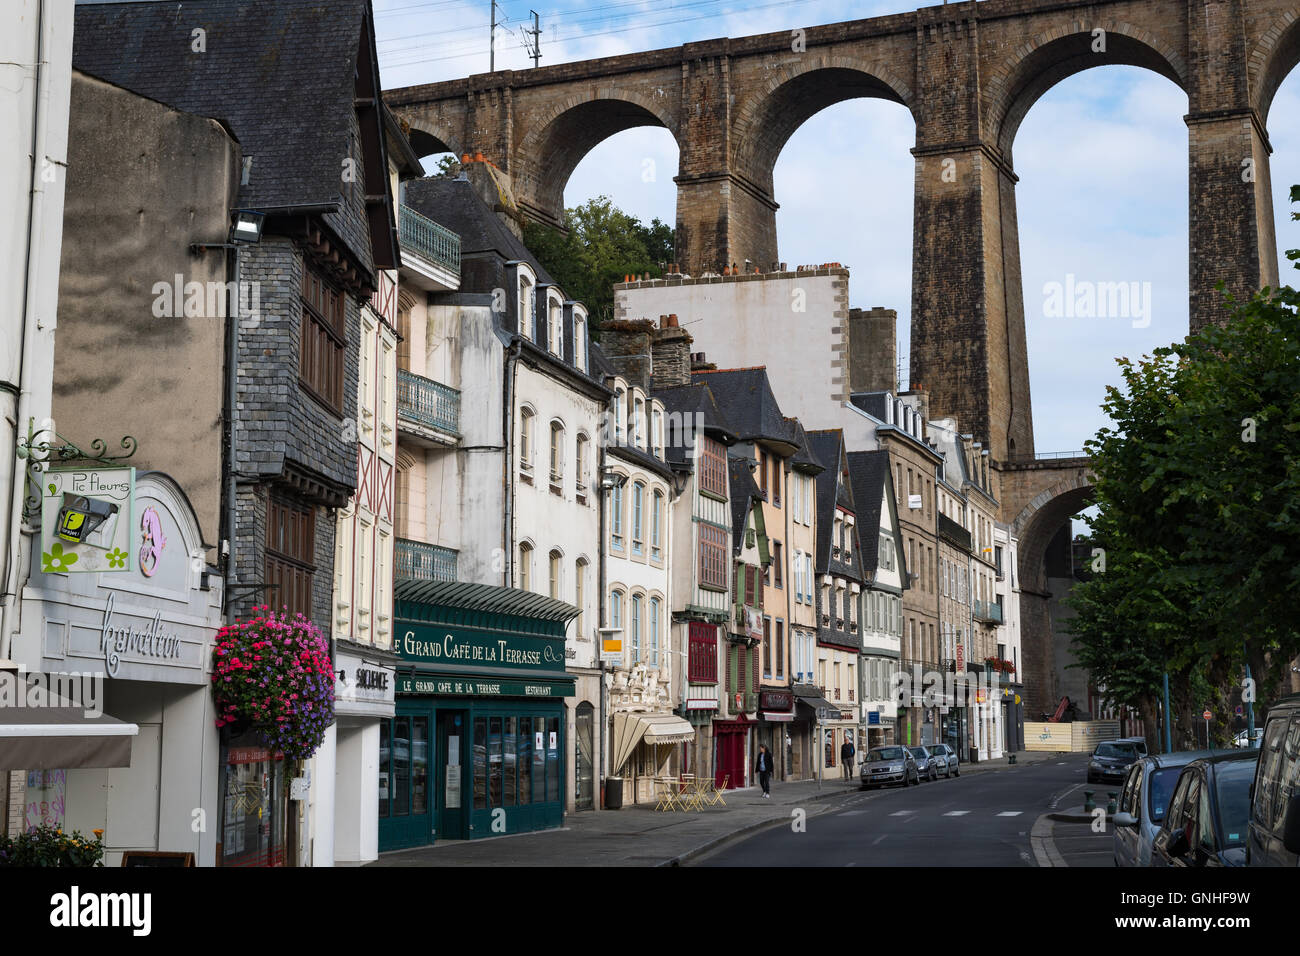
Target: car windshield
(1159,786)
(1115,750)
(885,753)
(919,752)
(1232,790)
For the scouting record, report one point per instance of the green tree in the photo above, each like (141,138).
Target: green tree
(1198,483)
(603,244)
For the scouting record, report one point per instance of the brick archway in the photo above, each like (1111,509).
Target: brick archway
(1273,58)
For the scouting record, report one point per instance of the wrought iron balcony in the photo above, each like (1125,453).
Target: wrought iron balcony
(417,561)
(427,403)
(988,612)
(426,238)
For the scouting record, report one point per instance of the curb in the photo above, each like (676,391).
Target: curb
(748,829)
(1043,844)
(1077,815)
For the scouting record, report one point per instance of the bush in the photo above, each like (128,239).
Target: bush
(48,846)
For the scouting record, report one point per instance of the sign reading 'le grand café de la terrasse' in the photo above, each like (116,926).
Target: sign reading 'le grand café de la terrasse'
(455,662)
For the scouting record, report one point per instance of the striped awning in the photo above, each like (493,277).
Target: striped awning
(658,729)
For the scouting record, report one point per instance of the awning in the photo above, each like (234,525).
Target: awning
(62,738)
(659,729)
(821,707)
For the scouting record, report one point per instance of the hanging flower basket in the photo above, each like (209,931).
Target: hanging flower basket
(274,675)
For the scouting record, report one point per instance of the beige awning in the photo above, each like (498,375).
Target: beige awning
(62,738)
(660,730)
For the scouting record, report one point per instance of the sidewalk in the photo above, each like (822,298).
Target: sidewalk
(641,836)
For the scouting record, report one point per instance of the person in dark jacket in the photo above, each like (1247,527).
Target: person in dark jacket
(763,765)
(847,752)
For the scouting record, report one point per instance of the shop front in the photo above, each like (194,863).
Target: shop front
(364,702)
(733,752)
(644,730)
(133,633)
(475,747)
(775,721)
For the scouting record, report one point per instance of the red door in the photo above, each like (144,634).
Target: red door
(731,758)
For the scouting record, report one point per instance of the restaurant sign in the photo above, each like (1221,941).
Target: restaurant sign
(440,686)
(425,644)
(777,700)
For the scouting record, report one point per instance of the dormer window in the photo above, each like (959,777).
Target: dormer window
(527,305)
(620,412)
(580,340)
(657,432)
(638,424)
(555,324)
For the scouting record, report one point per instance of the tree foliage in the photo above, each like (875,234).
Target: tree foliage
(1198,487)
(603,244)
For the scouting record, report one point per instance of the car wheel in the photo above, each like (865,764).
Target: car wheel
(934,775)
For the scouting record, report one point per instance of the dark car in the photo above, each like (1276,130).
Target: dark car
(890,763)
(1143,802)
(1111,760)
(1209,813)
(1275,796)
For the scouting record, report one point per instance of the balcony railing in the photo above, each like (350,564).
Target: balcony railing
(426,238)
(988,612)
(417,561)
(426,402)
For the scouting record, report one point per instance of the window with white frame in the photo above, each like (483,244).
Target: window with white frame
(637,437)
(616,518)
(557,453)
(580,462)
(657,433)
(527,305)
(635,623)
(638,519)
(616,610)
(555,324)
(525,566)
(526,416)
(654,632)
(656,526)
(620,415)
(580,594)
(580,339)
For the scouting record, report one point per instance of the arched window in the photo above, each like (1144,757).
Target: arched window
(637,437)
(526,416)
(525,566)
(580,462)
(635,631)
(580,594)
(557,453)
(654,632)
(580,339)
(638,519)
(553,576)
(616,610)
(620,413)
(657,433)
(526,305)
(616,518)
(555,324)
(656,527)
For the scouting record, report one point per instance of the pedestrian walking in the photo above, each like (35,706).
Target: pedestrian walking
(764,767)
(847,752)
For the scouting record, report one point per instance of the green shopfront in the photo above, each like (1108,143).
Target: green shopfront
(476,746)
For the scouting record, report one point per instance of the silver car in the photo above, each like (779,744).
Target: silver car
(927,764)
(945,759)
(889,763)
(1143,802)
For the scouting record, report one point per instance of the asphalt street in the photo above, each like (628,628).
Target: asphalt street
(973,820)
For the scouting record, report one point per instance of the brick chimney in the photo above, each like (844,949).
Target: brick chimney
(626,344)
(873,350)
(670,354)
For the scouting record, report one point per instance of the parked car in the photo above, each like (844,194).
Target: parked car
(1275,795)
(1147,788)
(1209,813)
(1110,761)
(950,765)
(1242,739)
(927,765)
(1139,744)
(890,763)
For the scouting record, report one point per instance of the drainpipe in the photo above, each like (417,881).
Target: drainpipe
(232,374)
(508,515)
(12,525)
(600,609)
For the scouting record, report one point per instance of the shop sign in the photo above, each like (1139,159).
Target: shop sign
(476,687)
(873,718)
(86,520)
(777,700)
(149,642)
(422,643)
(753,624)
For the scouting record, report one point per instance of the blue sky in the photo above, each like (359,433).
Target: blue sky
(1102,161)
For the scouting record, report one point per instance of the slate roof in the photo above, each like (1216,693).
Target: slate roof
(280,75)
(688,401)
(744,396)
(869,475)
(828,446)
(455,204)
(743,492)
(804,459)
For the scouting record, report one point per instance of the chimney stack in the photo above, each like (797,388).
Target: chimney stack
(873,350)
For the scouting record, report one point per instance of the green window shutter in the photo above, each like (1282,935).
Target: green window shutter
(733,676)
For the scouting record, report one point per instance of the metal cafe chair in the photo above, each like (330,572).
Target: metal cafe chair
(715,797)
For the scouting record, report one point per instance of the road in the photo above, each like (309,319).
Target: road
(978,819)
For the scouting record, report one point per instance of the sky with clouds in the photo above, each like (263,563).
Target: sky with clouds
(1102,161)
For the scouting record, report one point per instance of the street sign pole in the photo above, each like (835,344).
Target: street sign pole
(1206,717)
(1169,746)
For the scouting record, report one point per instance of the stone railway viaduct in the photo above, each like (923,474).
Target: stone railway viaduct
(968,73)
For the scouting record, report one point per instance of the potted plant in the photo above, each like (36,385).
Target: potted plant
(49,846)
